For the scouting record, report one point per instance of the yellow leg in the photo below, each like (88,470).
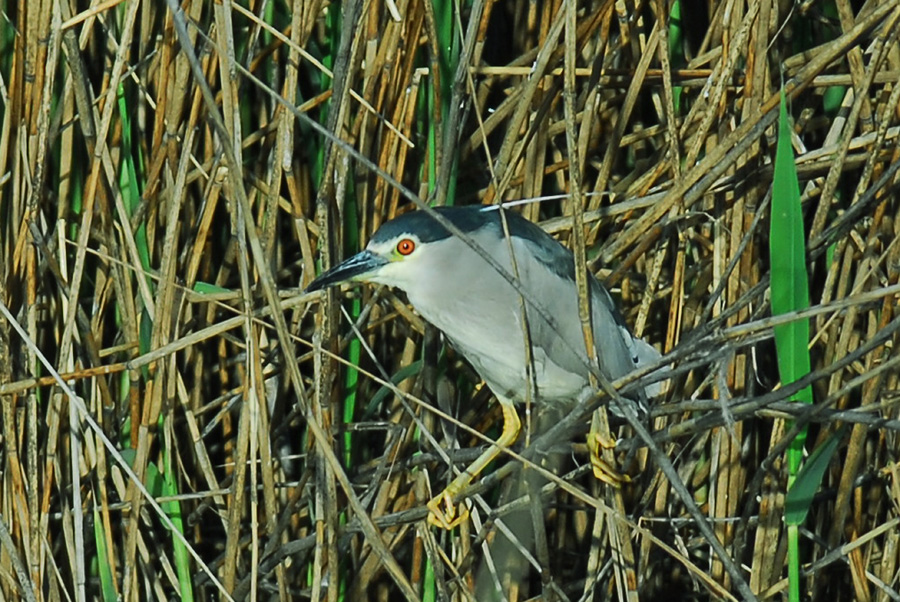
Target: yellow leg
(603,471)
(443,512)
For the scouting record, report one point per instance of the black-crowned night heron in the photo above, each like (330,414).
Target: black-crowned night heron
(479,311)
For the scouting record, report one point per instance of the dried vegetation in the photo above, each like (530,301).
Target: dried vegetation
(156,237)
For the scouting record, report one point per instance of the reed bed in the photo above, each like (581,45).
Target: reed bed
(180,420)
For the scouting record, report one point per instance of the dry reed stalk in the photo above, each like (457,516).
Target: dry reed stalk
(146,226)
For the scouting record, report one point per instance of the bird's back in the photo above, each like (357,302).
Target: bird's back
(491,337)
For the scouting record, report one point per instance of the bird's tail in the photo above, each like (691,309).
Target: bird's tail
(644,355)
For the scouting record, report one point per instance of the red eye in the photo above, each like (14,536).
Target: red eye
(406,246)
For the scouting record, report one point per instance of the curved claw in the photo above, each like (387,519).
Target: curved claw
(596,440)
(603,471)
(445,517)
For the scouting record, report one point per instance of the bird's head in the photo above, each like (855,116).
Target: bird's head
(389,261)
(405,252)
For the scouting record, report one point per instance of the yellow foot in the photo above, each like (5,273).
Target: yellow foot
(443,512)
(603,471)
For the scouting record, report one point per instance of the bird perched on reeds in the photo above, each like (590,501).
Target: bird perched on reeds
(457,290)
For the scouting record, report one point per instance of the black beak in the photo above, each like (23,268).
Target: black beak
(354,268)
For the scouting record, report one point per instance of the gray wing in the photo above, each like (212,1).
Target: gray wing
(612,338)
(549,273)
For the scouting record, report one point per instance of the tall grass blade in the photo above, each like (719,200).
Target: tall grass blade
(790,293)
(789,286)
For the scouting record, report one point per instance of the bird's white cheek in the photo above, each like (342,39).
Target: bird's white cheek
(396,273)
